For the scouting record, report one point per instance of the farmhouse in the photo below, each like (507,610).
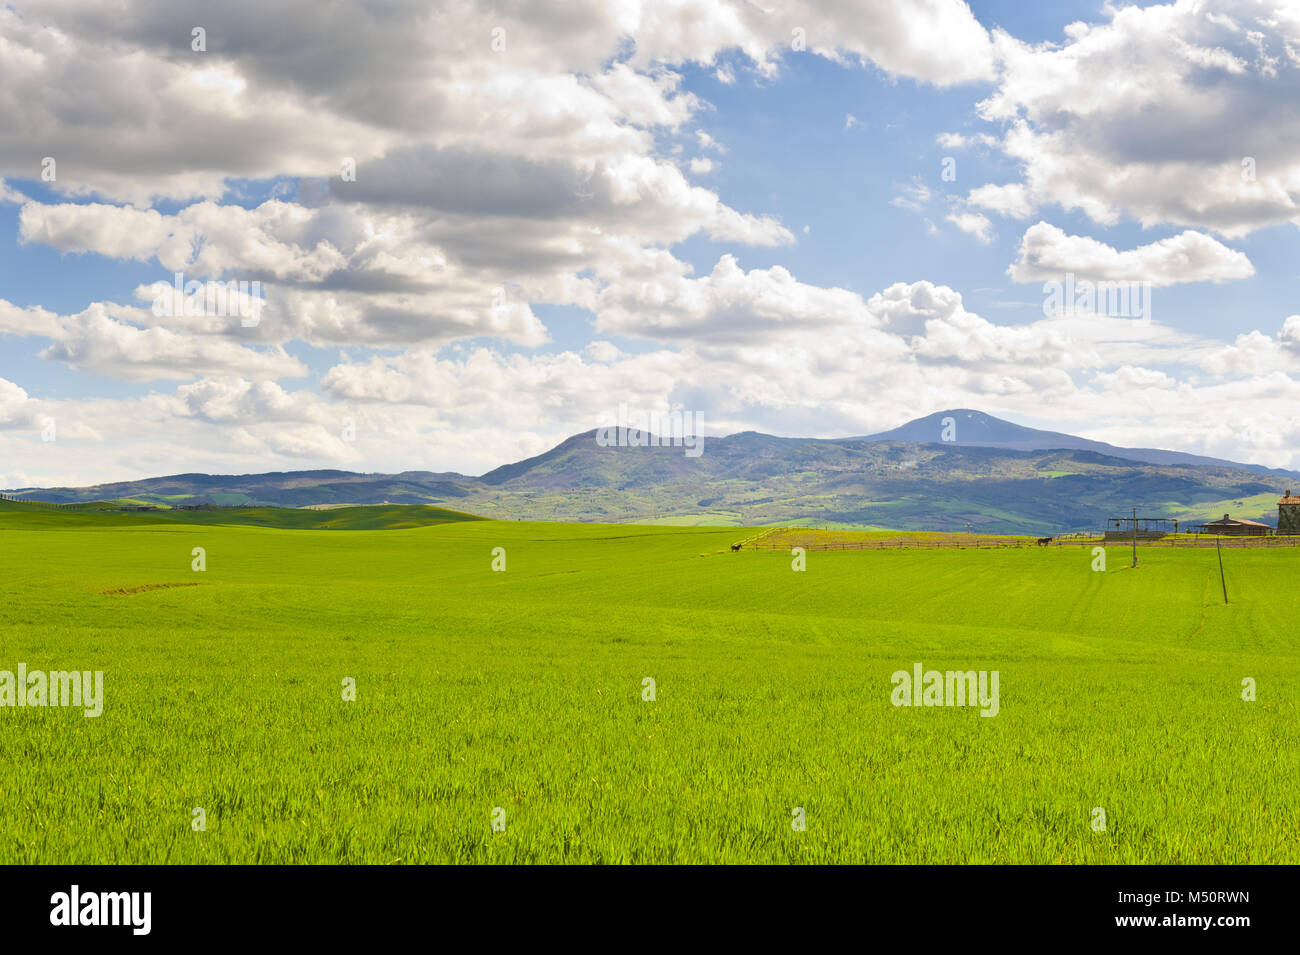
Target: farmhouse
(1234,527)
(1288,514)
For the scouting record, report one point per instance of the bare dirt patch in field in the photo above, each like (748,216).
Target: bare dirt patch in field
(143,588)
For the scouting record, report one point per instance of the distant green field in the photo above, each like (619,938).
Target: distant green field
(20,514)
(522,690)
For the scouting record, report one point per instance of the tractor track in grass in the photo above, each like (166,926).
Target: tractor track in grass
(1205,611)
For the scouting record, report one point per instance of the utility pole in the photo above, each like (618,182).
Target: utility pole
(1135,537)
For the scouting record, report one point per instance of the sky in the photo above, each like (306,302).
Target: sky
(411,236)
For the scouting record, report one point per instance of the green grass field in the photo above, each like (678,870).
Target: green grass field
(522,690)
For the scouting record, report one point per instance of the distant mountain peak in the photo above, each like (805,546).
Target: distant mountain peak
(968,427)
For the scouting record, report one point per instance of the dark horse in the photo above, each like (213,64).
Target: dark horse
(735,547)
(1044,541)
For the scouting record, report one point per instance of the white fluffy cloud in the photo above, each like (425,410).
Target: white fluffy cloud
(16,409)
(1184,113)
(274,92)
(1256,355)
(728,305)
(1047,253)
(972,223)
(113,341)
(1010,200)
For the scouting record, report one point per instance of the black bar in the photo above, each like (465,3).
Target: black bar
(333,905)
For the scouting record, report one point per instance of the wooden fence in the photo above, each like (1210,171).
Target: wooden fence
(766,542)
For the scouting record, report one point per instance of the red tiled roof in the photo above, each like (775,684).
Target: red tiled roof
(1238,520)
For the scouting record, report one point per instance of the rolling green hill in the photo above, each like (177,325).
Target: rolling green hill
(100,514)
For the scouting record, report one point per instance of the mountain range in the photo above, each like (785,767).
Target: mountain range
(951,470)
